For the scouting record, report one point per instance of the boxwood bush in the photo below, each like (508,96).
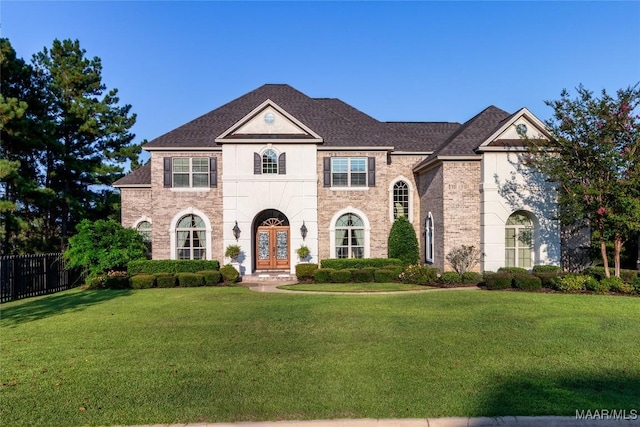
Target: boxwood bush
(526,282)
(323,275)
(513,270)
(449,279)
(546,269)
(384,275)
(170,266)
(117,280)
(548,279)
(341,276)
(471,278)
(190,280)
(497,281)
(363,275)
(211,277)
(166,281)
(305,271)
(341,263)
(142,281)
(229,274)
(592,284)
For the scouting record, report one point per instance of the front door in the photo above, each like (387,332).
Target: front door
(272,247)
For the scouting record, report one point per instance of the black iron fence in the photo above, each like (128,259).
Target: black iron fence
(23,276)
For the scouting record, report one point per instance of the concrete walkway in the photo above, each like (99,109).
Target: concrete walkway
(269,286)
(434,422)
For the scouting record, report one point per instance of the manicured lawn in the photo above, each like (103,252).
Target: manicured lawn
(230,354)
(355,287)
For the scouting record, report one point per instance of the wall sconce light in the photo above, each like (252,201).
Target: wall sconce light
(236,231)
(303,230)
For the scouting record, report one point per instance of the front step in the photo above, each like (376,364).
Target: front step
(272,276)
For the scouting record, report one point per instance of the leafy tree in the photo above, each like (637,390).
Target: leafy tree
(90,135)
(595,160)
(463,258)
(104,245)
(402,242)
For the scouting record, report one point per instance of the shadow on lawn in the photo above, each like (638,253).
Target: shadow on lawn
(51,305)
(566,395)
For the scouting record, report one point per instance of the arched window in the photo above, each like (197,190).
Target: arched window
(191,242)
(269,162)
(428,239)
(349,236)
(518,241)
(400,200)
(145,230)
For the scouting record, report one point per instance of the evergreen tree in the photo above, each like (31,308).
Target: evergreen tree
(402,242)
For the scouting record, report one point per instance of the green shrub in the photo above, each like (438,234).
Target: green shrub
(497,281)
(513,270)
(597,272)
(363,275)
(96,282)
(170,266)
(402,242)
(306,271)
(142,281)
(341,276)
(463,258)
(571,283)
(628,276)
(396,269)
(526,282)
(384,275)
(341,263)
(592,284)
(471,278)
(548,279)
(636,285)
(190,280)
(546,269)
(211,277)
(449,278)
(419,274)
(117,280)
(166,281)
(616,284)
(229,274)
(323,275)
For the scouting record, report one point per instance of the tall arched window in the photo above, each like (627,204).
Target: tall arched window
(518,241)
(349,236)
(191,242)
(269,162)
(428,239)
(145,230)
(400,200)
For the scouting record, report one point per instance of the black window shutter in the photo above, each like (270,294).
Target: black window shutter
(372,171)
(257,164)
(326,171)
(167,172)
(213,172)
(282,164)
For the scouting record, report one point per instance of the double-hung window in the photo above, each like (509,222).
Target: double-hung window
(348,172)
(190,172)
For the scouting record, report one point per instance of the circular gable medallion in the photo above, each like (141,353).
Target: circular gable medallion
(521,129)
(269,118)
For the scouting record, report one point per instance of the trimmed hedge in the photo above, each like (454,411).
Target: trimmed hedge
(471,278)
(549,279)
(170,266)
(305,271)
(166,281)
(190,280)
(592,284)
(497,281)
(342,263)
(142,281)
(340,276)
(546,269)
(572,283)
(513,270)
(229,274)
(450,278)
(211,277)
(526,282)
(363,275)
(117,281)
(323,275)
(384,275)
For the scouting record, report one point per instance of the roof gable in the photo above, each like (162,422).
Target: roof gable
(514,131)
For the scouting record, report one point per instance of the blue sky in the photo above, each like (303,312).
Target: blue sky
(396,61)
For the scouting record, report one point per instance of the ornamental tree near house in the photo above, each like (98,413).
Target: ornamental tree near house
(595,160)
(402,242)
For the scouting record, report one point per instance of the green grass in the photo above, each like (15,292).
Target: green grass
(355,287)
(230,354)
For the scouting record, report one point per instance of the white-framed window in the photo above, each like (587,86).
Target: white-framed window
(428,239)
(191,241)
(190,172)
(269,162)
(349,236)
(518,240)
(145,229)
(348,171)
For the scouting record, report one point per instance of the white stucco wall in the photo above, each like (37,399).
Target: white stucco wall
(508,186)
(294,194)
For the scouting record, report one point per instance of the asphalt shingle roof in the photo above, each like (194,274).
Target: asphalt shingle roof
(140,176)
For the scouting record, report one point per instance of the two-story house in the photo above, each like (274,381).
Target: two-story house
(275,169)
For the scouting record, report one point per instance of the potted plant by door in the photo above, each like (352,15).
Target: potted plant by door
(303,253)
(233,252)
